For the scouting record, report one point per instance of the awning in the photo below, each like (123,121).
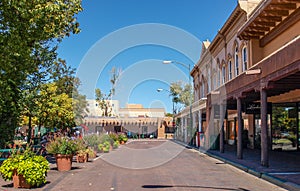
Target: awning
(84,127)
(266,19)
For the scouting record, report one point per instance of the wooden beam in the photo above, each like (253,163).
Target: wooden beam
(271,18)
(282,6)
(264,23)
(259,28)
(289,21)
(276,12)
(254,33)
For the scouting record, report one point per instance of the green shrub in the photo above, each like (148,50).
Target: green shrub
(91,152)
(33,168)
(104,147)
(62,145)
(116,144)
(106,138)
(100,147)
(122,137)
(113,136)
(92,140)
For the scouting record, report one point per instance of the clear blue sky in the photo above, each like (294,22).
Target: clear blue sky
(135,36)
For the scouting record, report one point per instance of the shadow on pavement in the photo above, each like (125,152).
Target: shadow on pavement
(184,186)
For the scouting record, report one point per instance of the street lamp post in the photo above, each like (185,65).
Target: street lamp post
(187,66)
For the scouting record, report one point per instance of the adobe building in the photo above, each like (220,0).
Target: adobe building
(134,120)
(247,82)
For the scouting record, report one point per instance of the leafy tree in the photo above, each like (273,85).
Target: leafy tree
(60,83)
(182,94)
(103,99)
(29,34)
(55,110)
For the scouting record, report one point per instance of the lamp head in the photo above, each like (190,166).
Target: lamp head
(167,62)
(159,90)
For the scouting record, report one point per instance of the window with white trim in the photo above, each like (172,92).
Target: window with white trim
(229,70)
(236,60)
(223,74)
(202,89)
(245,62)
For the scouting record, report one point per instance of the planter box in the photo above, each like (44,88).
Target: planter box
(19,181)
(64,162)
(82,158)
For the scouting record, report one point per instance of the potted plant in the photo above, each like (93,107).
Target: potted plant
(81,154)
(122,138)
(25,169)
(104,147)
(92,141)
(116,144)
(91,153)
(63,148)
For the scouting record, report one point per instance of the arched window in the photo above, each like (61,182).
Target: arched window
(245,61)
(229,70)
(208,79)
(223,74)
(214,80)
(202,88)
(236,60)
(218,73)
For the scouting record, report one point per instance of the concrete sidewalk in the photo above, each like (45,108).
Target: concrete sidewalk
(283,170)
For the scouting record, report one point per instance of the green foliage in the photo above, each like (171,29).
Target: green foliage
(169,115)
(91,153)
(116,144)
(122,137)
(103,99)
(181,93)
(104,147)
(29,35)
(100,147)
(81,146)
(92,140)
(106,138)
(282,141)
(56,110)
(62,145)
(113,136)
(33,168)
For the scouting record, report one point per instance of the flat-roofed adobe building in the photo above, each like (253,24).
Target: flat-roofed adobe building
(133,119)
(247,81)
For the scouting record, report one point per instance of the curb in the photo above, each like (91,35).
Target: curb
(265,176)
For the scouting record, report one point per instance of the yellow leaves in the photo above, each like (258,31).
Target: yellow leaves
(55,107)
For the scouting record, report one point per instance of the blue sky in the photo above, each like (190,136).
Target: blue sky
(136,36)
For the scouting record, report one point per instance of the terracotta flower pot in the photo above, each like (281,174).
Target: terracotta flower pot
(19,181)
(64,162)
(82,158)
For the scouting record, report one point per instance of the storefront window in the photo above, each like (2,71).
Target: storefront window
(298,126)
(231,133)
(284,126)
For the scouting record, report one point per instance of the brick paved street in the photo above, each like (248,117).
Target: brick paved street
(153,168)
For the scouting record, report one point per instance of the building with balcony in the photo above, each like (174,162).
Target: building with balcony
(247,82)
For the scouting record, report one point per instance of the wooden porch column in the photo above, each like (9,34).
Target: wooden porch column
(222,116)
(240,129)
(264,128)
